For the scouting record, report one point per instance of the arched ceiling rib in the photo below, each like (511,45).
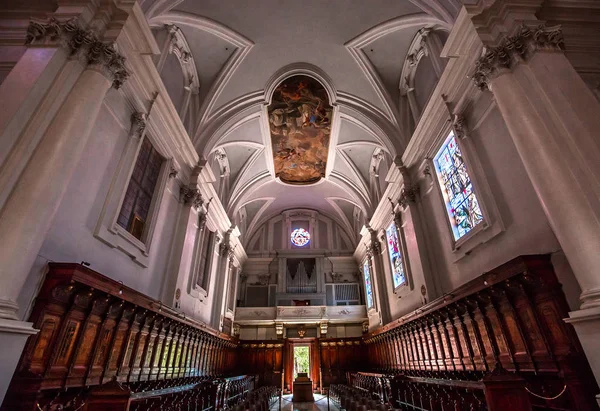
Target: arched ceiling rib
(270,40)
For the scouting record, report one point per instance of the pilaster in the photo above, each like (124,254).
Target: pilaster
(553,118)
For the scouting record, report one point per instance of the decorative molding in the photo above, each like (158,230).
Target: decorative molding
(336,277)
(513,50)
(82,43)
(264,279)
(191,195)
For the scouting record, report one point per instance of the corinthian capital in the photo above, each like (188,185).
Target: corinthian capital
(373,248)
(81,43)
(190,195)
(515,49)
(104,57)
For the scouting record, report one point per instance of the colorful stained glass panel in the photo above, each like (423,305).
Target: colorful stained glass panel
(396,260)
(462,205)
(368,285)
(300,237)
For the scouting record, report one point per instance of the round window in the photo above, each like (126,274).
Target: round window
(300,237)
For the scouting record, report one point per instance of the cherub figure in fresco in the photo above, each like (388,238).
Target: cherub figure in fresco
(287,93)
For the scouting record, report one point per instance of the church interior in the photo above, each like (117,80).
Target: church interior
(255,205)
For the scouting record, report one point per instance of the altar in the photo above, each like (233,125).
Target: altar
(303,391)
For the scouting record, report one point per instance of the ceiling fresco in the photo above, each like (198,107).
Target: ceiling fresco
(300,119)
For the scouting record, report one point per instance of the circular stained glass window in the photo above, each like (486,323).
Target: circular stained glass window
(300,237)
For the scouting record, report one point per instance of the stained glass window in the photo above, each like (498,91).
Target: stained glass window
(462,205)
(368,285)
(300,237)
(398,273)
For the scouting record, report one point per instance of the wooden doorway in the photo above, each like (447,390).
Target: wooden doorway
(314,362)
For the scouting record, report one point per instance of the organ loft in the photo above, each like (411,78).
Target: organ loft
(270,204)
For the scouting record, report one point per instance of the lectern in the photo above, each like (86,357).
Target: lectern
(303,391)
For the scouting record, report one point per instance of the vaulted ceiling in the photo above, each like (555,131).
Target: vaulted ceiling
(243,49)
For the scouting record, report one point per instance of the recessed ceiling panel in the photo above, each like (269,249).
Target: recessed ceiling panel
(300,123)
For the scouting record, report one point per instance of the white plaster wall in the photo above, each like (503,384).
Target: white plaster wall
(527,230)
(258,333)
(344,331)
(71,237)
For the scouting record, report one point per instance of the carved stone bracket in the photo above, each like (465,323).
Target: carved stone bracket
(513,50)
(81,43)
(189,195)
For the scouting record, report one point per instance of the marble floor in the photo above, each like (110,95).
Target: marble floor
(319,404)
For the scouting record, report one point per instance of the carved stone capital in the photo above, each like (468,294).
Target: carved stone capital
(138,124)
(202,219)
(81,43)
(189,195)
(373,248)
(408,194)
(104,58)
(460,126)
(513,50)
(225,250)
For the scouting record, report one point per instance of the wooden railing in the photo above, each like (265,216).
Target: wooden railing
(509,319)
(94,330)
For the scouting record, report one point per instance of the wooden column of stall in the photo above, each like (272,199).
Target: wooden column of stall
(94,329)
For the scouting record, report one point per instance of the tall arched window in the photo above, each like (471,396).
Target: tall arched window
(368,284)
(396,257)
(462,205)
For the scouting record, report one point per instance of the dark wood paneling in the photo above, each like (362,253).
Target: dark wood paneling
(264,359)
(338,356)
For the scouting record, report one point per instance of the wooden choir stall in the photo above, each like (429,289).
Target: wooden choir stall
(498,342)
(103,345)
